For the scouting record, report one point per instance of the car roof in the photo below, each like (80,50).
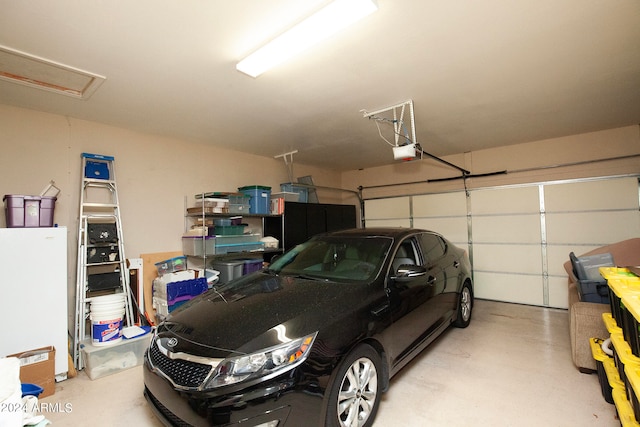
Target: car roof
(391,232)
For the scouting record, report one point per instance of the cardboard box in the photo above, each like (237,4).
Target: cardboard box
(38,367)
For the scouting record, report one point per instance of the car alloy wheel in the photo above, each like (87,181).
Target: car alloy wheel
(355,394)
(465,306)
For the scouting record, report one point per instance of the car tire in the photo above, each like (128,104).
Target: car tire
(465,306)
(354,396)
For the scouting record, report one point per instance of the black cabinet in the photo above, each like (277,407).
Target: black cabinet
(304,220)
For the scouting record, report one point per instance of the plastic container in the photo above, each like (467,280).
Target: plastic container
(260,201)
(198,245)
(239,208)
(229,230)
(210,202)
(630,309)
(270,242)
(239,247)
(303,192)
(229,270)
(239,238)
(239,199)
(633,388)
(287,196)
(171,265)
(29,211)
(251,266)
(623,408)
(601,358)
(622,356)
(103,361)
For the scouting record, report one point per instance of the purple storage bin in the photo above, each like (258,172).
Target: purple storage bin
(251,265)
(29,211)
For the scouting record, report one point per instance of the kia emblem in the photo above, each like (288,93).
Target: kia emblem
(172,342)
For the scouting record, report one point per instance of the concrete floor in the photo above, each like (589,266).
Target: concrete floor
(511,367)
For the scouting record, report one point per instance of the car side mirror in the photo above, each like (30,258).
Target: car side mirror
(407,272)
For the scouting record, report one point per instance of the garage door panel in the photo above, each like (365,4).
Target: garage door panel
(397,207)
(370,223)
(446,204)
(558,292)
(505,200)
(507,229)
(507,258)
(516,288)
(454,229)
(592,195)
(595,228)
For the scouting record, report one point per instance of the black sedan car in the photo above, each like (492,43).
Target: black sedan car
(314,338)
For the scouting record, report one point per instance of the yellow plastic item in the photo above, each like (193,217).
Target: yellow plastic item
(632,302)
(617,273)
(624,351)
(625,411)
(633,378)
(607,362)
(610,323)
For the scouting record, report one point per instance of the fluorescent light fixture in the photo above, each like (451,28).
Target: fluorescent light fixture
(327,21)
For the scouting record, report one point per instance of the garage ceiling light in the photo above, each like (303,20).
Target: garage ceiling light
(29,70)
(327,21)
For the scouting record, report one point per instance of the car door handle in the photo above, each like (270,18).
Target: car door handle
(377,311)
(456,264)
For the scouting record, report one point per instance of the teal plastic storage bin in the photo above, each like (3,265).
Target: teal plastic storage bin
(260,202)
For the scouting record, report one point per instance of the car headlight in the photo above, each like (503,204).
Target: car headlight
(266,363)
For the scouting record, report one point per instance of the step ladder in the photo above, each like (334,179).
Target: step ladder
(101,268)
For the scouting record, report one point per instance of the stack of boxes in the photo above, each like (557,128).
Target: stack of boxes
(620,373)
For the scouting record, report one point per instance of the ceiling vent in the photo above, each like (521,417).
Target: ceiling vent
(29,70)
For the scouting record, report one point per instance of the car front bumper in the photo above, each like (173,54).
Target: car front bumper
(282,399)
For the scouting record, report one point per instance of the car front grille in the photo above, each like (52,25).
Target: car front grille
(182,373)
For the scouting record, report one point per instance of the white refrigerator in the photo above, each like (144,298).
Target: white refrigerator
(33,287)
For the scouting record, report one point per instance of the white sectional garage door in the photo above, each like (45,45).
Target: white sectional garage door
(519,237)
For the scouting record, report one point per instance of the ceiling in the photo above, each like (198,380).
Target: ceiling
(480,73)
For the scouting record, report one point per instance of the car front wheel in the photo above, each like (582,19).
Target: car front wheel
(465,306)
(355,393)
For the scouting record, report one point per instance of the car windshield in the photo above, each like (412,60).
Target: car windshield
(335,258)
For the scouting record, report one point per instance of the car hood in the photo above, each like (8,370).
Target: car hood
(259,311)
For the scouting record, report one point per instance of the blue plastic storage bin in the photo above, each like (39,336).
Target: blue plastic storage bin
(260,202)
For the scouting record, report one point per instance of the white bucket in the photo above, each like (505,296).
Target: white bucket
(107,303)
(107,299)
(106,327)
(107,314)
